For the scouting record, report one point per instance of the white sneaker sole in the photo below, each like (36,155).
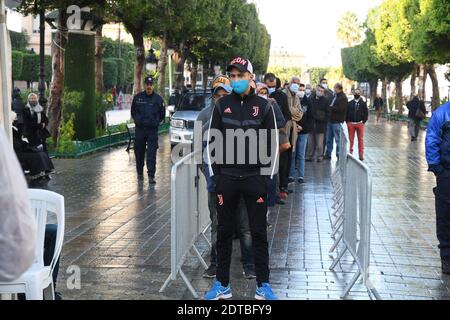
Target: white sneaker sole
(224,296)
(260,298)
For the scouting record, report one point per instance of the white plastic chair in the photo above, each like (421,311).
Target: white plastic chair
(37,281)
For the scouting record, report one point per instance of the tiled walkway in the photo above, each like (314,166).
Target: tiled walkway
(118,232)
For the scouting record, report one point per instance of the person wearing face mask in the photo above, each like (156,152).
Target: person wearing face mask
(338,113)
(272,197)
(305,126)
(357,115)
(319,106)
(328,93)
(308,91)
(292,130)
(275,92)
(35,122)
(234,116)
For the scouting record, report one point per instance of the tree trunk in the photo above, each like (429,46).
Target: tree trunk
(435,100)
(373,90)
(99,61)
(180,59)
(413,83)
(138,40)
(194,72)
(422,81)
(55,103)
(384,94)
(162,67)
(399,96)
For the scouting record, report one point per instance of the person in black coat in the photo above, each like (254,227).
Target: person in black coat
(306,125)
(415,117)
(378,105)
(35,122)
(319,109)
(357,115)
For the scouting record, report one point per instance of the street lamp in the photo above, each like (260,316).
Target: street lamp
(151,62)
(170,52)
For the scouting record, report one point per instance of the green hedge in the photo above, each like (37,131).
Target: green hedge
(17,64)
(80,77)
(19,41)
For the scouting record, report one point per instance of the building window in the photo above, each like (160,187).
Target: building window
(35,24)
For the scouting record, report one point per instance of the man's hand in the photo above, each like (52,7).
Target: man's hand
(299,128)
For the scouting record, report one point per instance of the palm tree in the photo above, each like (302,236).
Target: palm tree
(349,29)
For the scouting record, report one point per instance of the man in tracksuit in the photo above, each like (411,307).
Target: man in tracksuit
(438,157)
(148,112)
(244,117)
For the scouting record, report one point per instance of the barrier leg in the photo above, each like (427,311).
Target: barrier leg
(351,284)
(188,284)
(166,283)
(336,243)
(207,240)
(337,227)
(338,258)
(199,256)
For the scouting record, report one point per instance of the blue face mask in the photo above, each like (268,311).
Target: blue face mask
(240,86)
(271,90)
(295,87)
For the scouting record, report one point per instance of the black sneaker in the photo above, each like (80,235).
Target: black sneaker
(249,273)
(151,180)
(446,265)
(301,180)
(327,157)
(290,180)
(210,272)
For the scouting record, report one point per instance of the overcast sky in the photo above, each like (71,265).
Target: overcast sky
(292,25)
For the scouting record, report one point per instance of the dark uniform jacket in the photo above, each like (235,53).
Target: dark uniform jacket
(147,111)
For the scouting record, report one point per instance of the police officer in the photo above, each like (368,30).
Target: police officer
(238,115)
(148,112)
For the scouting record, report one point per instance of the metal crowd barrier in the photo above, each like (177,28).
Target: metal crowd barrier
(189,217)
(352,185)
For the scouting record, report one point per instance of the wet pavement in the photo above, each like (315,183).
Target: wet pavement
(118,232)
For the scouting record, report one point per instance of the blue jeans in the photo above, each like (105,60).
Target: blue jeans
(299,156)
(332,135)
